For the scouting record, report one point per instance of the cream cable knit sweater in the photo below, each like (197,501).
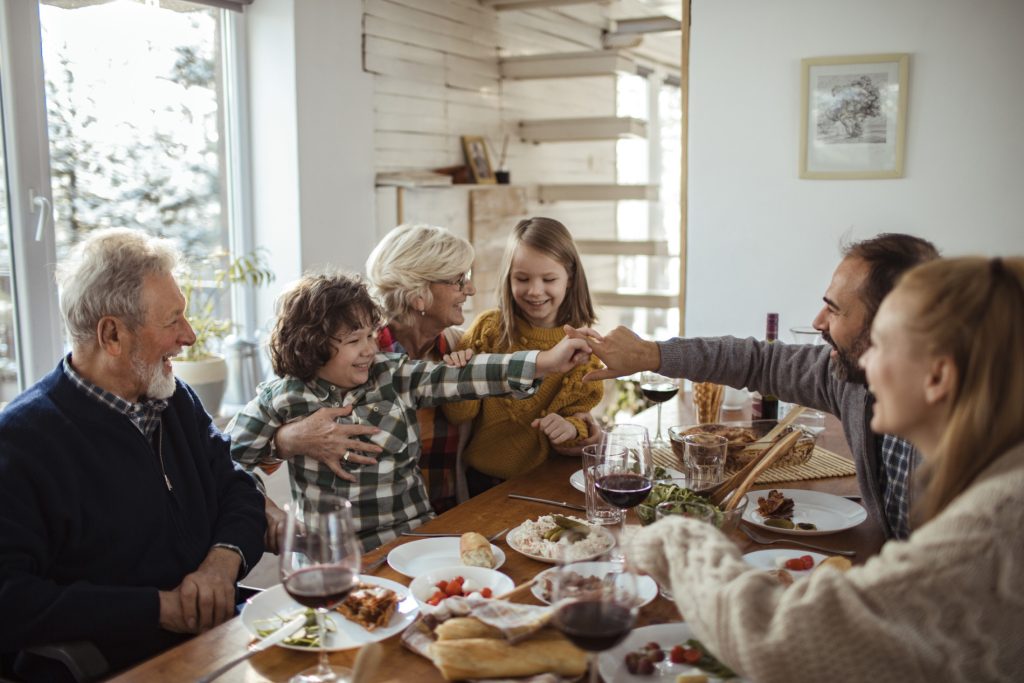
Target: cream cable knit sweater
(945,605)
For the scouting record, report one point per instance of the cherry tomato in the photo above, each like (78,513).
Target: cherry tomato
(808,561)
(795,563)
(691,655)
(677,655)
(487,592)
(455,586)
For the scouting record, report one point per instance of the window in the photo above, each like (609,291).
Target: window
(139,123)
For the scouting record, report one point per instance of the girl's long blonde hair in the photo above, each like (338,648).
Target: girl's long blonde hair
(550,237)
(973,310)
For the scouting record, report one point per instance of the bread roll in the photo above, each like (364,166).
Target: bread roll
(495,658)
(458,628)
(836,562)
(475,551)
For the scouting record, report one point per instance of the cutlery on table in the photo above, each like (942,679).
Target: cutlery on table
(492,538)
(764,540)
(272,639)
(558,503)
(367,568)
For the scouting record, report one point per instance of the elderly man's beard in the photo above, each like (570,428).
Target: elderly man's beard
(157,383)
(847,365)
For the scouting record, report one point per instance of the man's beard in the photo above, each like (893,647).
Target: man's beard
(847,366)
(156,383)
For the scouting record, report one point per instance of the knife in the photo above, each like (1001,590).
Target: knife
(272,639)
(559,503)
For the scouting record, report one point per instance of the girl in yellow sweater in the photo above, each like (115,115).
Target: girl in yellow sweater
(543,287)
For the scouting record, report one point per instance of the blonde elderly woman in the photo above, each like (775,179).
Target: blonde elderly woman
(421,275)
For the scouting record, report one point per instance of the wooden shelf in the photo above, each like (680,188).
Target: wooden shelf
(570,130)
(595,193)
(535,4)
(568,65)
(636,300)
(623,247)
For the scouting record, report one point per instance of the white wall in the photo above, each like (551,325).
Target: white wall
(762,239)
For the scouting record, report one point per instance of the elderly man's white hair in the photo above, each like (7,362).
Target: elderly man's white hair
(410,257)
(104,275)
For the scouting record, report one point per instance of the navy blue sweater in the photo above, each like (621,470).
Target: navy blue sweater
(88,529)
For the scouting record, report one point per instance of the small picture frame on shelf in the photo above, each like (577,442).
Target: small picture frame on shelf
(854,116)
(478,160)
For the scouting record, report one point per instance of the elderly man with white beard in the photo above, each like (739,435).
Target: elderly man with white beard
(124,520)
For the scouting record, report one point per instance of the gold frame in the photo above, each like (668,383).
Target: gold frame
(478,159)
(860,158)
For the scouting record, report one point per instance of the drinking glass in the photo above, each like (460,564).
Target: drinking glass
(624,478)
(595,605)
(704,458)
(320,556)
(599,511)
(659,389)
(808,335)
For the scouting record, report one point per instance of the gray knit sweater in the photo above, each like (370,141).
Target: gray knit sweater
(945,605)
(796,374)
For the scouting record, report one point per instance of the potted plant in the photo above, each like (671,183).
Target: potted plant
(204,284)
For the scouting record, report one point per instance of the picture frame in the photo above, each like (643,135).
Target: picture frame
(478,160)
(853,116)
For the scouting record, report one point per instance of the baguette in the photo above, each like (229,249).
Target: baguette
(495,658)
(475,550)
(460,628)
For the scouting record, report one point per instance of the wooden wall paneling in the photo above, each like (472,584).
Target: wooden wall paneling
(458,45)
(493,212)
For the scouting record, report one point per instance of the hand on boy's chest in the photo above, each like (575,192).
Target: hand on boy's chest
(383,412)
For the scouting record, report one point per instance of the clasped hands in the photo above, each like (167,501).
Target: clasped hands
(205,598)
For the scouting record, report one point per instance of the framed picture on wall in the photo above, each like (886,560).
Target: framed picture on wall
(477,159)
(854,116)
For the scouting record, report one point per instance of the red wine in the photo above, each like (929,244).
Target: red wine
(623,490)
(321,587)
(660,392)
(594,626)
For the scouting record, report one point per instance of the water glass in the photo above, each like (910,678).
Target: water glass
(599,511)
(704,459)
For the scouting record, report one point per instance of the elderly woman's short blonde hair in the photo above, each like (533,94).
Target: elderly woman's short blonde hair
(411,257)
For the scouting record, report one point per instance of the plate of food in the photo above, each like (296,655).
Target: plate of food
(647,589)
(802,513)
(428,554)
(377,609)
(678,653)
(540,539)
(577,481)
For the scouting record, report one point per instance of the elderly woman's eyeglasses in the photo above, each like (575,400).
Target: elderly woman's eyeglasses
(460,283)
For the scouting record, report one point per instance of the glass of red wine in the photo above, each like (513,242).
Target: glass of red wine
(624,478)
(320,557)
(595,605)
(659,389)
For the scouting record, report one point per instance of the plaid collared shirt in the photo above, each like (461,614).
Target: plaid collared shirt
(388,497)
(145,415)
(899,458)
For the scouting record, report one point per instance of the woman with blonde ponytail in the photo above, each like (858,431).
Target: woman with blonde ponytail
(946,372)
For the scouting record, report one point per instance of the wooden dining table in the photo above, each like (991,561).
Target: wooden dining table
(487,514)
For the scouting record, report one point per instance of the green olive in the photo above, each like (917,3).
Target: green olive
(779,523)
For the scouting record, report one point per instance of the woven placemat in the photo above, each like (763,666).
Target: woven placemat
(822,464)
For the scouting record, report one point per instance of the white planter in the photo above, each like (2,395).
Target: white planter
(207,378)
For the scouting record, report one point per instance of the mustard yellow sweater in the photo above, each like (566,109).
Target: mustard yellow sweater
(504,444)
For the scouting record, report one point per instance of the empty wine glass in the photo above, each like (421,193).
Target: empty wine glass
(320,556)
(624,479)
(595,605)
(659,389)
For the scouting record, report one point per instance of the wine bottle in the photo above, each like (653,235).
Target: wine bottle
(769,402)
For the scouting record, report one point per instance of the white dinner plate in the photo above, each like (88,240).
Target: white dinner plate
(646,587)
(769,560)
(428,554)
(829,513)
(275,602)
(514,542)
(612,663)
(577,481)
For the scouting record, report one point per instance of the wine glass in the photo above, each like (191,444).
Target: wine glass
(320,557)
(624,478)
(595,605)
(659,389)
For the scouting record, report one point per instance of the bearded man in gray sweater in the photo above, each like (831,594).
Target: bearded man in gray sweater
(821,377)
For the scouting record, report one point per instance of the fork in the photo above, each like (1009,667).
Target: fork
(764,540)
(492,538)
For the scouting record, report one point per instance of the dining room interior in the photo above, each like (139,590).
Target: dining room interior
(666,134)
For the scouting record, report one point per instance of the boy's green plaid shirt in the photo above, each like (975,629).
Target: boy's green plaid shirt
(388,497)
